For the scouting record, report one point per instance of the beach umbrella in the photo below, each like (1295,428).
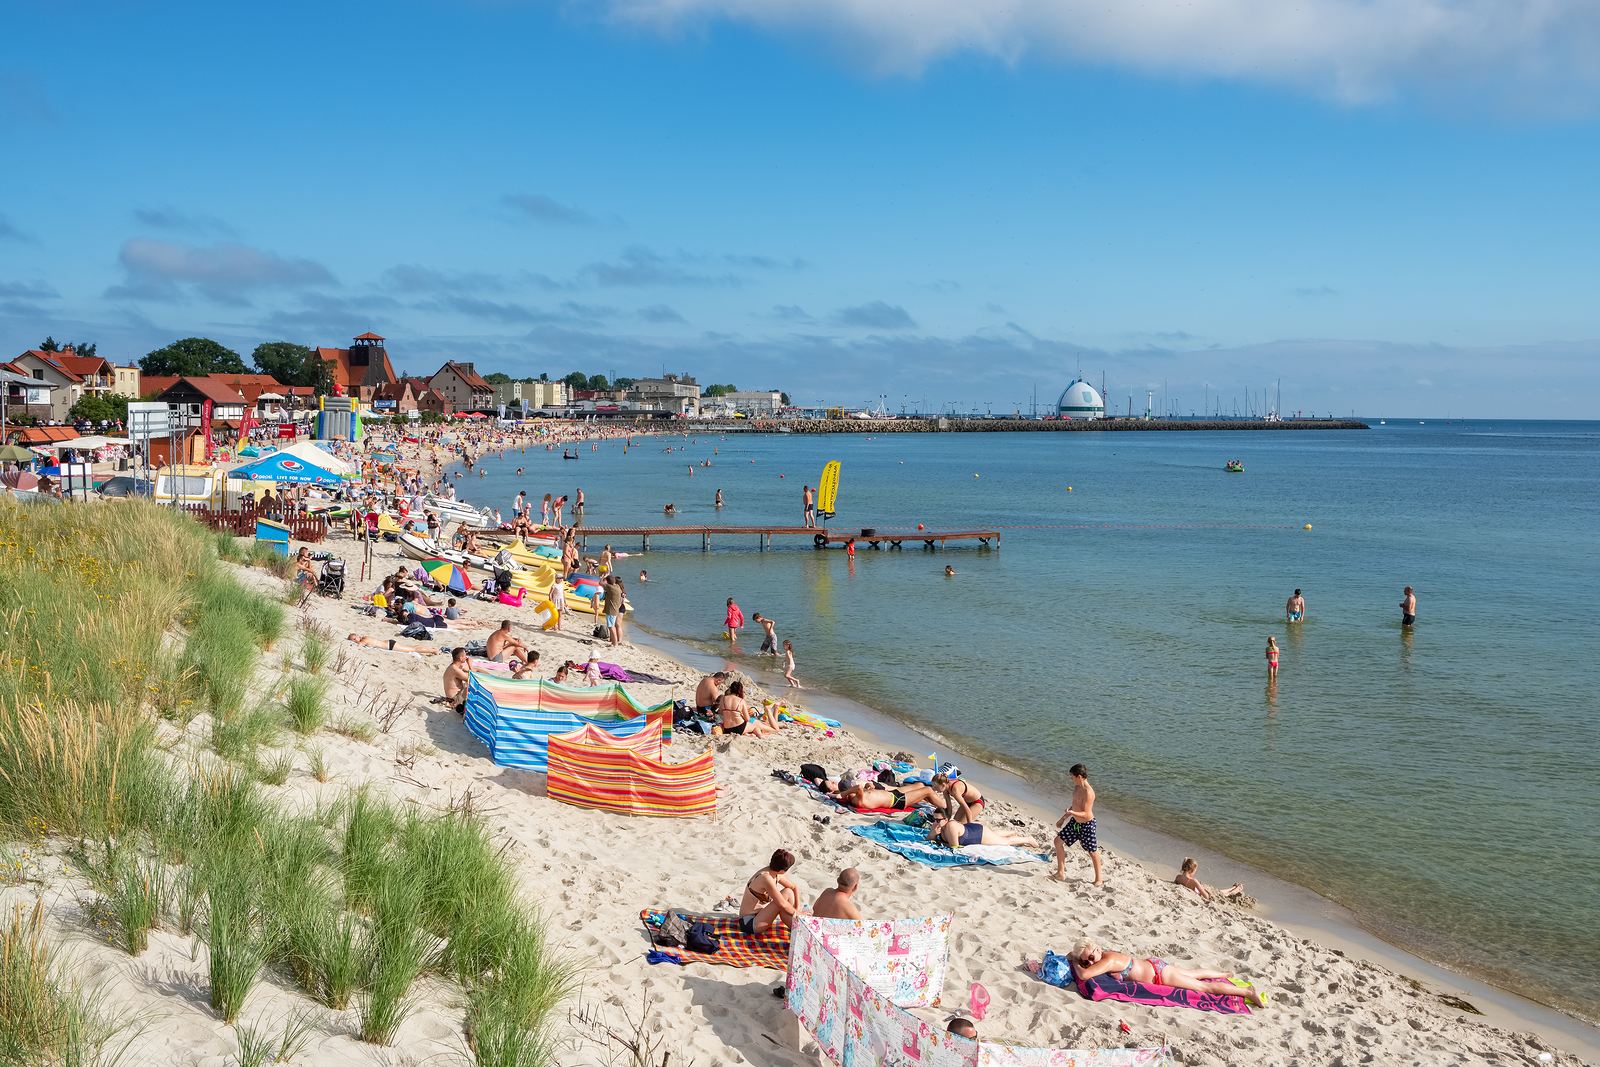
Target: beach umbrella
(446,573)
(19,480)
(16,454)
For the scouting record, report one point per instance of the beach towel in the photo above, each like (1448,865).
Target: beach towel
(912,843)
(770,949)
(1059,971)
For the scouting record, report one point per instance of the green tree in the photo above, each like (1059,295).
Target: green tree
(294,364)
(720,390)
(497,378)
(598,381)
(544,377)
(193,357)
(82,348)
(623,383)
(577,380)
(783,398)
(94,408)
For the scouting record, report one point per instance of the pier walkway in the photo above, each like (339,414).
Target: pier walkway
(821,537)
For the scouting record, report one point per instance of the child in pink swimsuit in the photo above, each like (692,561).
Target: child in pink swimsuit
(1272,657)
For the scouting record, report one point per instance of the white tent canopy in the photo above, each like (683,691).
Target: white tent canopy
(320,456)
(89,442)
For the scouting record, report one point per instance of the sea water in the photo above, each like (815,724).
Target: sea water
(1439,781)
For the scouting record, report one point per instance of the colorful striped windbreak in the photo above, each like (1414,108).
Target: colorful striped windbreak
(591,768)
(515,718)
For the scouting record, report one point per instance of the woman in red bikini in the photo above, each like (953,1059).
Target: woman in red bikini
(1089,959)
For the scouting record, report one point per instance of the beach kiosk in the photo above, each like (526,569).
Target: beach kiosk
(275,535)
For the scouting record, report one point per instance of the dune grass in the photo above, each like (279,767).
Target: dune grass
(307,704)
(117,615)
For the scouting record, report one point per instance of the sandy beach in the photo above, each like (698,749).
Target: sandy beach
(592,872)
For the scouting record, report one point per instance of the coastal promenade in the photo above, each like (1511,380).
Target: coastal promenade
(959,425)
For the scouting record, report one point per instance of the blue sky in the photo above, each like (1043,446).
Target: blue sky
(1390,206)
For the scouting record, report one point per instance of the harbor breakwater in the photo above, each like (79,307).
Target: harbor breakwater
(959,425)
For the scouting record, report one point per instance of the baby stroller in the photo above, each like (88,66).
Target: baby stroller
(332,581)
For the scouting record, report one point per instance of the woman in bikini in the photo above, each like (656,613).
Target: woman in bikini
(1272,659)
(769,896)
(957,834)
(736,714)
(1089,959)
(962,800)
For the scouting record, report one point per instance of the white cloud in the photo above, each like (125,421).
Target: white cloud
(224,272)
(1523,54)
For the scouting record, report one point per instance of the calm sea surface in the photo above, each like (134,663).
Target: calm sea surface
(1444,783)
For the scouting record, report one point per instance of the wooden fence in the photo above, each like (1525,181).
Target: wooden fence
(311,528)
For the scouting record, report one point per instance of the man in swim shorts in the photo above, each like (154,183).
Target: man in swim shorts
(709,692)
(455,680)
(1296,608)
(1077,825)
(1408,609)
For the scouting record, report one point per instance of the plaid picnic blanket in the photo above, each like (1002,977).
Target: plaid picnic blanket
(770,949)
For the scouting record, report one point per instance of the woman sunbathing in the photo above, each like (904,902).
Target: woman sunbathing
(1089,960)
(960,834)
(871,795)
(769,896)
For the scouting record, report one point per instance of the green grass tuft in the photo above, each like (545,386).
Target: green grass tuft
(307,704)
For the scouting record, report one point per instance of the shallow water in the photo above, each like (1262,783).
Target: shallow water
(1440,783)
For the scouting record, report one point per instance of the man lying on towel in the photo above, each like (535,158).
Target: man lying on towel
(954,834)
(869,796)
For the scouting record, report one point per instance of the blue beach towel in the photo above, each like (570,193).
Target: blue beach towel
(912,843)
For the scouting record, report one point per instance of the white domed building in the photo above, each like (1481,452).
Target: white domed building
(1081,401)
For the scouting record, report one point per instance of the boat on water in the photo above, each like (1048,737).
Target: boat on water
(1234,467)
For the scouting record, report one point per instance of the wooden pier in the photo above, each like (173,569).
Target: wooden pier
(821,537)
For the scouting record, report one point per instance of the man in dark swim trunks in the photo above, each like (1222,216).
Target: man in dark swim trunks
(870,796)
(455,679)
(1408,609)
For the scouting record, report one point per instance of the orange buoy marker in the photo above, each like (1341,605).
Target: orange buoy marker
(919,525)
(1308,526)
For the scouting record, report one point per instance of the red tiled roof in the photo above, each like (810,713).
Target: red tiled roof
(42,435)
(210,388)
(472,378)
(368,336)
(156,384)
(87,366)
(50,358)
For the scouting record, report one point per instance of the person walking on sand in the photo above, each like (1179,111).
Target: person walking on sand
(1295,609)
(809,505)
(735,619)
(769,643)
(544,511)
(1272,659)
(1080,828)
(788,666)
(1408,609)
(522,502)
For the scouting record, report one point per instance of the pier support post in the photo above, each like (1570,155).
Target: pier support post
(705,541)
(646,547)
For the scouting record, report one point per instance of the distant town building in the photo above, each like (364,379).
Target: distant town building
(25,394)
(360,369)
(127,382)
(188,395)
(463,388)
(546,394)
(676,393)
(72,376)
(509,394)
(754,403)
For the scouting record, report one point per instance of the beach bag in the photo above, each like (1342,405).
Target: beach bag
(674,930)
(699,939)
(1055,970)
(477,648)
(813,773)
(601,631)
(417,632)
(887,778)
